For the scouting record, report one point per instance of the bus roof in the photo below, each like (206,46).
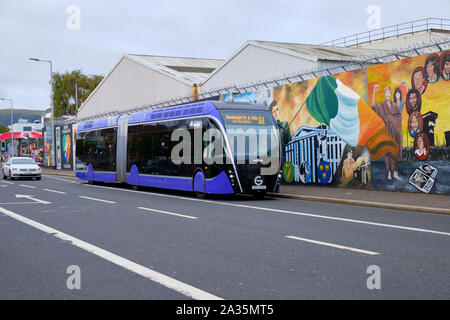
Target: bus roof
(181,111)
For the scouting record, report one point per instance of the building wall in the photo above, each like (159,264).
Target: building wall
(379,141)
(131,85)
(257,64)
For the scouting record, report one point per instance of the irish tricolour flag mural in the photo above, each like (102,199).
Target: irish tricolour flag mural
(344,111)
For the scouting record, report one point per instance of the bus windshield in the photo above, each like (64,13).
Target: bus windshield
(252,134)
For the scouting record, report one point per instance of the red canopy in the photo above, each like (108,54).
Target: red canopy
(19,135)
(7,135)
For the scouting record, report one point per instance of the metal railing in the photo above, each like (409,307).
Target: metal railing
(285,79)
(391,31)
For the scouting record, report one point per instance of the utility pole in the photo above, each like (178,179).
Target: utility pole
(53,111)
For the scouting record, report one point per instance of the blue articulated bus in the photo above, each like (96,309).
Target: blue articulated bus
(139,149)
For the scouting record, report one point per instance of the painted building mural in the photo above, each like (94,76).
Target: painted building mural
(384,127)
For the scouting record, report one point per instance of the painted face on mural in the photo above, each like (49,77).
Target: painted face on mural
(414,123)
(413,100)
(350,154)
(430,69)
(420,143)
(447,67)
(275,112)
(387,93)
(418,80)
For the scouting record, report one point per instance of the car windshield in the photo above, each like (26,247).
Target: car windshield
(23,161)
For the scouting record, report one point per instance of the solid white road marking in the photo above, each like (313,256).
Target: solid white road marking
(19,196)
(55,191)
(8,182)
(169,213)
(286,212)
(333,245)
(24,185)
(152,275)
(3,203)
(95,199)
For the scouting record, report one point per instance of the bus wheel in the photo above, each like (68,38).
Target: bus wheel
(200,195)
(200,188)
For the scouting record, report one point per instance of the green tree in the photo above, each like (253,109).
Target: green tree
(64,90)
(3,129)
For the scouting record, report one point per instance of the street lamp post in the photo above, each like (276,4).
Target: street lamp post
(53,112)
(12,126)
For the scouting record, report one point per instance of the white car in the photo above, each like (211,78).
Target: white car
(21,168)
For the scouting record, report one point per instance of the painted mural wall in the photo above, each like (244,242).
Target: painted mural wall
(385,127)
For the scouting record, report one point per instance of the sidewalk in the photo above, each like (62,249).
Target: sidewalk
(68,173)
(421,202)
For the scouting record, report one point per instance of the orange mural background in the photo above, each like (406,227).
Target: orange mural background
(435,98)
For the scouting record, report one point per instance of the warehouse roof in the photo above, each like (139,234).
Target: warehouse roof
(308,52)
(187,70)
(319,52)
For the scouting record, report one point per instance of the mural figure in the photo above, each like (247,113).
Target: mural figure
(415,124)
(283,126)
(399,102)
(349,166)
(413,101)
(445,65)
(392,117)
(418,80)
(432,68)
(421,146)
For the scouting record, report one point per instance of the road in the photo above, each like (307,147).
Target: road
(147,244)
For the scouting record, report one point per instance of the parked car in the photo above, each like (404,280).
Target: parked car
(21,168)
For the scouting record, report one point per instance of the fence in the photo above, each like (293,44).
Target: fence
(390,31)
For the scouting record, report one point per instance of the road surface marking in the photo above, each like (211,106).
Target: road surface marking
(333,245)
(284,211)
(3,203)
(24,185)
(169,213)
(19,196)
(7,182)
(50,190)
(152,275)
(95,199)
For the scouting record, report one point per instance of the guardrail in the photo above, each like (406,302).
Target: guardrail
(391,31)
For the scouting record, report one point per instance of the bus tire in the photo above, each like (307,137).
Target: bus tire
(198,194)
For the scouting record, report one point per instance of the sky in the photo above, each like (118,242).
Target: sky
(94,35)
